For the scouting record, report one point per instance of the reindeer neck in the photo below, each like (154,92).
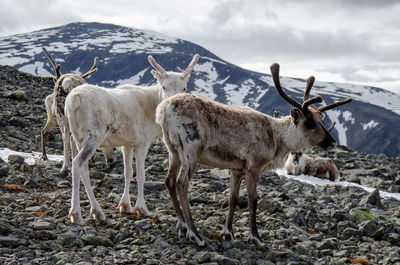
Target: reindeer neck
(154,95)
(288,136)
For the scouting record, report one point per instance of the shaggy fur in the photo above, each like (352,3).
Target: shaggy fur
(198,130)
(55,103)
(123,116)
(298,163)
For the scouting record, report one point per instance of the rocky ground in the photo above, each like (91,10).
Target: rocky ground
(302,224)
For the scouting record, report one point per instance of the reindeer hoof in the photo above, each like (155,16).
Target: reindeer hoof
(64,170)
(97,214)
(181,228)
(196,238)
(125,208)
(76,218)
(227,235)
(257,241)
(141,212)
(43,157)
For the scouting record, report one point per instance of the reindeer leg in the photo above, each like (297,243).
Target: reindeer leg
(95,210)
(251,185)
(73,147)
(124,205)
(87,151)
(50,124)
(79,164)
(66,135)
(170,182)
(186,173)
(236,179)
(140,205)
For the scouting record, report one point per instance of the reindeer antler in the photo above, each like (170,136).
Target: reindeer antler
(53,63)
(156,65)
(93,69)
(331,126)
(334,105)
(190,66)
(307,102)
(310,83)
(303,107)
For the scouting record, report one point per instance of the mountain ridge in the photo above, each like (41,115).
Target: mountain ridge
(367,124)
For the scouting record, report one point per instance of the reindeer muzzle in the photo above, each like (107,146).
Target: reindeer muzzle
(328,141)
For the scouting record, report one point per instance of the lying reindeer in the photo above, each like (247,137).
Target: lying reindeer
(299,163)
(199,130)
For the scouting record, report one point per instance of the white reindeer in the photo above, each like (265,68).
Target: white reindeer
(299,163)
(198,130)
(124,116)
(55,109)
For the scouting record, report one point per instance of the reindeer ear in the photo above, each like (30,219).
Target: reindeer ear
(296,114)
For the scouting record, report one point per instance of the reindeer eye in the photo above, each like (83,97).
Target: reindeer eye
(163,87)
(310,123)
(184,89)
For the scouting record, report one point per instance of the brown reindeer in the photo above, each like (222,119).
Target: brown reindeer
(198,130)
(55,109)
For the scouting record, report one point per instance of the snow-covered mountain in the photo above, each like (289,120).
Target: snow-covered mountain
(371,123)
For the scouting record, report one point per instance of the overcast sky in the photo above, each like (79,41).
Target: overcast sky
(355,41)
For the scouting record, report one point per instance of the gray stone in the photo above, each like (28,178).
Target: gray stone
(42,225)
(4,170)
(351,232)
(393,238)
(63,184)
(17,122)
(9,241)
(202,256)
(36,208)
(31,183)
(303,248)
(16,159)
(5,228)
(264,262)
(368,228)
(17,95)
(269,205)
(154,186)
(374,199)
(69,239)
(328,243)
(91,239)
(222,260)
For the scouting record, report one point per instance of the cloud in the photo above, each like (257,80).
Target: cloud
(338,39)
(25,15)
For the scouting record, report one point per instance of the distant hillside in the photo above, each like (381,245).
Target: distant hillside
(370,123)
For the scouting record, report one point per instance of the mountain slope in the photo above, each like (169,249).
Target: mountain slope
(370,123)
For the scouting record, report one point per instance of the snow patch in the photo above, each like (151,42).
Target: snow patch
(30,158)
(235,95)
(370,125)
(339,127)
(347,116)
(13,60)
(134,80)
(320,182)
(204,87)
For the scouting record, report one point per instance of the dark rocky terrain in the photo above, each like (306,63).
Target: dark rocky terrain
(302,224)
